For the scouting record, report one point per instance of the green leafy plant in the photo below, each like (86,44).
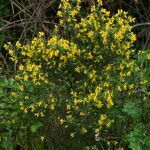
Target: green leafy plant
(74,83)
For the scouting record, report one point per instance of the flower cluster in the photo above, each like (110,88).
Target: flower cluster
(80,73)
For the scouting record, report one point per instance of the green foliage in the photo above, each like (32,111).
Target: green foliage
(132,110)
(136,138)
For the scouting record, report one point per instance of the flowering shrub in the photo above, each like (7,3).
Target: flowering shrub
(75,78)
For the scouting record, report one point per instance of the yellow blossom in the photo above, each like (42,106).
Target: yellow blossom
(96,130)
(21,87)
(18,44)
(41,114)
(73,12)
(40,103)
(108,124)
(72,134)
(125,86)
(52,107)
(42,138)
(79,1)
(21,67)
(13,121)
(25,77)
(26,97)
(119,88)
(133,37)
(99,104)
(90,34)
(32,107)
(68,107)
(61,121)
(99,2)
(59,13)
(77,69)
(82,113)
(37,114)
(25,110)
(41,34)
(101,119)
(84,130)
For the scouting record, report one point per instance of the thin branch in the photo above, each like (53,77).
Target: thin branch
(5,63)
(141,24)
(10,25)
(49,4)
(147,39)
(22,9)
(12,7)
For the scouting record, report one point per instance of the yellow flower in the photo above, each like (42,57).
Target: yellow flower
(34,80)
(41,34)
(106,84)
(56,53)
(25,110)
(68,107)
(21,67)
(41,113)
(72,134)
(45,106)
(25,77)
(21,87)
(89,56)
(59,13)
(64,58)
(119,88)
(110,104)
(84,130)
(120,21)
(104,36)
(42,138)
(125,86)
(121,67)
(92,75)
(22,108)
(99,104)
(78,1)
(133,37)
(128,74)
(73,13)
(108,124)
(96,130)
(52,99)
(13,121)
(26,97)
(32,107)
(18,44)
(90,34)
(99,2)
(40,103)
(36,114)
(77,69)
(101,119)
(61,121)
(82,113)
(52,107)
(11,52)
(131,86)
(75,101)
